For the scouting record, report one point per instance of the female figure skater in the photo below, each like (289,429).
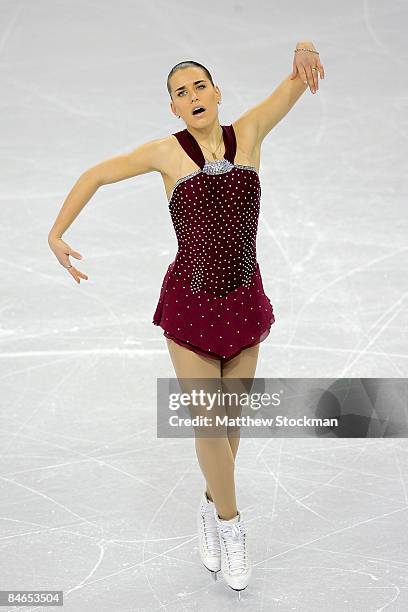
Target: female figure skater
(212,305)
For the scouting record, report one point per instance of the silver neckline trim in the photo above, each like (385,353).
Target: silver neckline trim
(206,166)
(218,166)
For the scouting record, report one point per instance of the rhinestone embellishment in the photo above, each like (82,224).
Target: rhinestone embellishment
(218,166)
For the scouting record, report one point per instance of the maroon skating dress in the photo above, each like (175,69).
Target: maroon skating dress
(212,299)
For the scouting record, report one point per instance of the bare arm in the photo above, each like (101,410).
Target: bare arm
(260,119)
(149,157)
(75,201)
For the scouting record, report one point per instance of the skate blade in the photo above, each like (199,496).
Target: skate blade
(238,591)
(213,572)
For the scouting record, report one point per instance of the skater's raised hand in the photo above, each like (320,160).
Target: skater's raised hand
(307,64)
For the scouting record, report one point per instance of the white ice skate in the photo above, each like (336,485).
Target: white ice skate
(235,559)
(208,539)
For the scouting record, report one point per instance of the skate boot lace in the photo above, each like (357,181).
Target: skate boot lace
(209,528)
(233,537)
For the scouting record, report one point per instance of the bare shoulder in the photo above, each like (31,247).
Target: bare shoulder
(246,134)
(248,144)
(162,150)
(153,155)
(166,154)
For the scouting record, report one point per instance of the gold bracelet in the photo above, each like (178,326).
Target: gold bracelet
(302,49)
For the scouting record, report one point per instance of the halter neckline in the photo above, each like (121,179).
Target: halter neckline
(193,149)
(198,145)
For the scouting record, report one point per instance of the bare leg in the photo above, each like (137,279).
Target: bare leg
(214,453)
(242,366)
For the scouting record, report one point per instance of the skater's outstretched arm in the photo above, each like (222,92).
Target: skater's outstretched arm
(148,157)
(260,119)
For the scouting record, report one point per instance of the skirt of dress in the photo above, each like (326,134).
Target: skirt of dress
(213,326)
